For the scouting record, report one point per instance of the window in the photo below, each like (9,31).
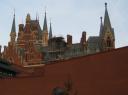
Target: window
(108,42)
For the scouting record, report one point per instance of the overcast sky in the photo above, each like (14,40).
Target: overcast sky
(67,17)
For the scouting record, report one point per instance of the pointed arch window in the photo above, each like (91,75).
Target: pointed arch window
(108,42)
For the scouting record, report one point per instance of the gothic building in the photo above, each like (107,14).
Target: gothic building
(34,45)
(106,39)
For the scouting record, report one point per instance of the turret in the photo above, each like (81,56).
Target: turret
(20,33)
(69,40)
(27,26)
(28,18)
(50,31)
(45,32)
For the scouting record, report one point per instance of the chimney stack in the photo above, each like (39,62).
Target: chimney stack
(21,27)
(5,48)
(69,40)
(83,38)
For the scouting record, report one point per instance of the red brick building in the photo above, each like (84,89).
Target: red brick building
(23,50)
(33,45)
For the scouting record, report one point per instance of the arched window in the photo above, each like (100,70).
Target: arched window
(108,42)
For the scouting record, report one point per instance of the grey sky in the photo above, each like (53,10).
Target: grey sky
(67,16)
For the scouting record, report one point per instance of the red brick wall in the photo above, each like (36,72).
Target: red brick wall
(99,74)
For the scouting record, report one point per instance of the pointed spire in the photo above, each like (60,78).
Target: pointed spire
(45,23)
(13,30)
(101,20)
(101,27)
(50,31)
(107,22)
(13,24)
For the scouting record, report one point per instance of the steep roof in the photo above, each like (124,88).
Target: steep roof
(101,27)
(13,25)
(45,28)
(93,42)
(107,22)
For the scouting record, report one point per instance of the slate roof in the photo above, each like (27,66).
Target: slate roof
(93,42)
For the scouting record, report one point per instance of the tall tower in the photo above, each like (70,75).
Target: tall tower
(13,31)
(50,31)
(45,32)
(107,33)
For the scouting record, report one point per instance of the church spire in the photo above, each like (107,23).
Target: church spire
(101,27)
(45,24)
(13,24)
(45,32)
(107,22)
(13,30)
(50,31)
(107,34)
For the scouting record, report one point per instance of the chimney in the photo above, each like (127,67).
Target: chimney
(5,48)
(83,38)
(69,40)
(21,27)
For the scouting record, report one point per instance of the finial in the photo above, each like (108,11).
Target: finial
(105,4)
